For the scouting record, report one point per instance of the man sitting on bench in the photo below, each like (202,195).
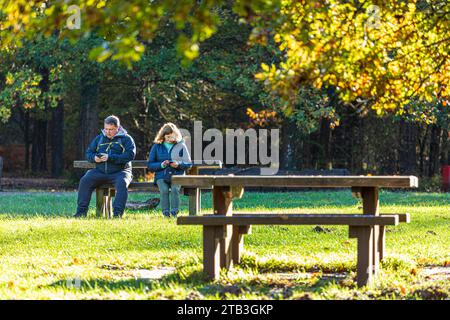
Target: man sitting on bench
(112,151)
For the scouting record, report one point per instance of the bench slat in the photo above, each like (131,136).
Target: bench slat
(402,217)
(290,219)
(142,164)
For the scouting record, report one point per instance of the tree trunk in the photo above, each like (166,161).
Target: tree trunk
(39,146)
(287,156)
(57,139)
(422,151)
(444,147)
(325,142)
(407,148)
(26,139)
(435,138)
(39,139)
(88,111)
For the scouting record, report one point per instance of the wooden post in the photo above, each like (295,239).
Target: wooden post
(381,241)
(371,206)
(104,202)
(223,205)
(211,252)
(109,208)
(99,202)
(365,255)
(195,196)
(237,242)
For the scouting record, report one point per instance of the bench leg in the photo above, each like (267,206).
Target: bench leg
(237,242)
(211,252)
(365,254)
(99,192)
(104,202)
(381,242)
(109,199)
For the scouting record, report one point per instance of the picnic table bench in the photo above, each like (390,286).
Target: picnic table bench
(106,192)
(223,231)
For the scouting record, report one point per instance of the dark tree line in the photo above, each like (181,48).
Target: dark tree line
(216,88)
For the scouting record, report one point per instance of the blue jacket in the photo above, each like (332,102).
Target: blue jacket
(159,153)
(121,150)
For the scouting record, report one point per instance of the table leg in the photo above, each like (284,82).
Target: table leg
(365,255)
(371,206)
(211,252)
(223,205)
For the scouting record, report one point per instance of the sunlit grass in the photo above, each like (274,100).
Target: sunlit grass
(43,249)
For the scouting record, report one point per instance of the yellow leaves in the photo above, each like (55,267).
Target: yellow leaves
(412,7)
(101,4)
(263,118)
(265,67)
(9,79)
(277,38)
(318,83)
(187,48)
(260,76)
(192,52)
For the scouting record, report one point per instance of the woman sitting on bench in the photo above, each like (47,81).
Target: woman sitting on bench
(169,156)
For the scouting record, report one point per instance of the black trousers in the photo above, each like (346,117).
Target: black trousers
(94,178)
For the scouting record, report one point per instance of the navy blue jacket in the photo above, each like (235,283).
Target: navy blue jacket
(121,150)
(159,153)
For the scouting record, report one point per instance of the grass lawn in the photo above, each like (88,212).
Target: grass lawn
(45,254)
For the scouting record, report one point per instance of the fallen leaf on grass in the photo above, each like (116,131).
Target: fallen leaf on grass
(403,290)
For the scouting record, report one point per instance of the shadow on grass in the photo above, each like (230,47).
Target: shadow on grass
(197,286)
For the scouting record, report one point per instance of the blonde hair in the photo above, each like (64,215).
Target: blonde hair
(166,129)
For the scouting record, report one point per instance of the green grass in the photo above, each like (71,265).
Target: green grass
(42,250)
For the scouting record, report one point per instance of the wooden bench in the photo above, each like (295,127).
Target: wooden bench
(223,232)
(106,192)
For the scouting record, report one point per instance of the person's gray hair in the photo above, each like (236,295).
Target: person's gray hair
(112,120)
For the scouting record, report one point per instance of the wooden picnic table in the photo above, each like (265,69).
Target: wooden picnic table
(105,193)
(223,231)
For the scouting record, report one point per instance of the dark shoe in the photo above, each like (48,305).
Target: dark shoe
(80,215)
(117,216)
(166,213)
(174,213)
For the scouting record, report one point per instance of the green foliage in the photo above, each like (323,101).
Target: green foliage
(375,56)
(124,25)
